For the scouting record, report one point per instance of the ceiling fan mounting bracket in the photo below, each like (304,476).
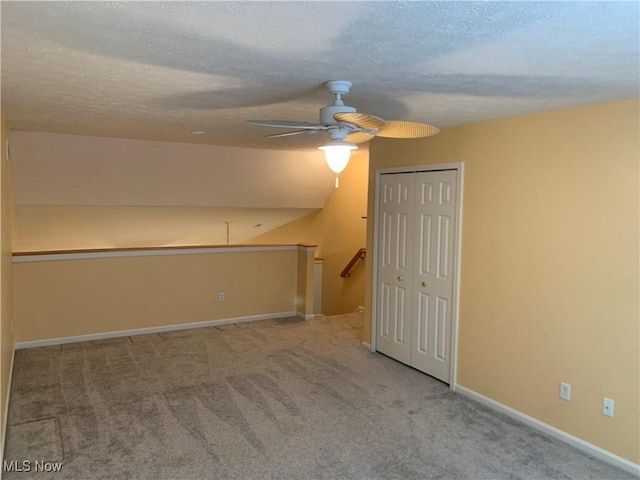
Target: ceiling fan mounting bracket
(338,87)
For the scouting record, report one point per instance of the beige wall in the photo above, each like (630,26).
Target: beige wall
(6,295)
(339,231)
(550,265)
(64,227)
(56,299)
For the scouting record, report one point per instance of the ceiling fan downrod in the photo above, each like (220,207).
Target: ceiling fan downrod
(337,88)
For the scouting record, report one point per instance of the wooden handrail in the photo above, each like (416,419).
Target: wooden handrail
(360,254)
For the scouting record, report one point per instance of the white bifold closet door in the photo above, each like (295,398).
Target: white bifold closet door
(415,281)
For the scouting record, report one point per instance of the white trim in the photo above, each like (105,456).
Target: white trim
(302,316)
(586,447)
(148,253)
(420,168)
(453,376)
(6,408)
(374,258)
(459,167)
(307,248)
(367,346)
(141,331)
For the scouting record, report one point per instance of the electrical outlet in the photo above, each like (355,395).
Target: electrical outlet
(565,391)
(221,296)
(608,406)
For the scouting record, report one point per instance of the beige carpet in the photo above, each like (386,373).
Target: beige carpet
(273,399)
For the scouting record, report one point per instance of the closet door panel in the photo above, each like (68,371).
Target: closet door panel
(433,283)
(395,265)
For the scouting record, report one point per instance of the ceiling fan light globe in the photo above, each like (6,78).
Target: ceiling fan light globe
(337,155)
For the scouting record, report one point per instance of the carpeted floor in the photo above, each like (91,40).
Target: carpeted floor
(274,399)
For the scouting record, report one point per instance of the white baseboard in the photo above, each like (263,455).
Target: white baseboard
(302,316)
(367,346)
(593,450)
(6,409)
(140,331)
(359,309)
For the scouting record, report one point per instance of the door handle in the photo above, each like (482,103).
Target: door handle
(423,285)
(399,278)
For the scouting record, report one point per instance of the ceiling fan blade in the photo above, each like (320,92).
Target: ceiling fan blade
(358,137)
(287,124)
(361,120)
(398,129)
(294,132)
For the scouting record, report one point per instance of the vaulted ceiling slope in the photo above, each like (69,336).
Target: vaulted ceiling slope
(60,169)
(79,191)
(158,70)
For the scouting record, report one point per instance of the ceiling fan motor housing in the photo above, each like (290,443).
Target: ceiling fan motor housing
(326,113)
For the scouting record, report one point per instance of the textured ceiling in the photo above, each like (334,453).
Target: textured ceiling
(158,70)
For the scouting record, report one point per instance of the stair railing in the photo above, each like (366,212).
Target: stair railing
(360,255)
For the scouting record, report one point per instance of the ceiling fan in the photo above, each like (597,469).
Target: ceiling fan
(347,127)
